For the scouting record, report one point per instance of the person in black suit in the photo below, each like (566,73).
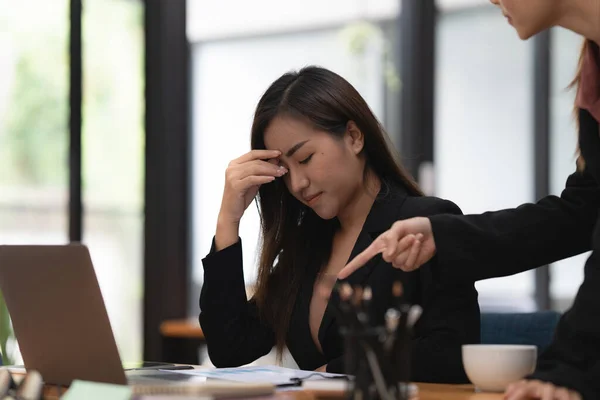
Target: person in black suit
(505,242)
(327,185)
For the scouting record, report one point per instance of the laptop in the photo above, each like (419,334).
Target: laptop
(59,317)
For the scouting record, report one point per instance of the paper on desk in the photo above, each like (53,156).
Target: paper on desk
(15,369)
(83,390)
(258,374)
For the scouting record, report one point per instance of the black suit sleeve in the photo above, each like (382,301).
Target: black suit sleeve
(509,241)
(573,358)
(234,333)
(450,319)
(336,365)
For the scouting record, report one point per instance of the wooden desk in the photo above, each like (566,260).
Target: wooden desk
(181,341)
(182,328)
(427,391)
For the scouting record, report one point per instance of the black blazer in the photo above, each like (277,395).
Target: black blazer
(509,241)
(235,335)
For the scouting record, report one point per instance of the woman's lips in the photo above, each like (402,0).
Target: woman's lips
(312,199)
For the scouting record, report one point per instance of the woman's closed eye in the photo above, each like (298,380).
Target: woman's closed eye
(307,159)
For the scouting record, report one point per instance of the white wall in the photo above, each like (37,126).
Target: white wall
(209,19)
(483,142)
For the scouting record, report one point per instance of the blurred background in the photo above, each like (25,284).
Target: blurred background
(118,119)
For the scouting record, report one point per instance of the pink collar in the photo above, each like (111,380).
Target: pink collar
(588,96)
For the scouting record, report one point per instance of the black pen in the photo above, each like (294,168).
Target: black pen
(178,367)
(290,384)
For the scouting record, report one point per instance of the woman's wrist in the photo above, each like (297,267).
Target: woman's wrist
(227,233)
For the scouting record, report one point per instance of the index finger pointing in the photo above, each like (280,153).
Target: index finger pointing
(361,259)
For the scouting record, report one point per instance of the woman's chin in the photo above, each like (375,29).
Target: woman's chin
(526,33)
(325,214)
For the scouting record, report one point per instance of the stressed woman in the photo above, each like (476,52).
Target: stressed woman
(327,185)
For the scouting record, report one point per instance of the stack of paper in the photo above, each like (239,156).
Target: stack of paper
(260,374)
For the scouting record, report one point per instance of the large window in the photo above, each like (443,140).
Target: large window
(113,146)
(34,145)
(483,131)
(34,102)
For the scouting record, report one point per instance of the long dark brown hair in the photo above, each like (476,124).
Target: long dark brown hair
(576,83)
(294,239)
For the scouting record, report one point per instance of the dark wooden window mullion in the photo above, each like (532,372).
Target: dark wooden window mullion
(75,121)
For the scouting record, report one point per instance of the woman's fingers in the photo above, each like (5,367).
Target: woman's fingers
(254,180)
(525,390)
(512,388)
(257,155)
(256,167)
(390,244)
(562,394)
(394,248)
(361,259)
(412,256)
(546,392)
(401,251)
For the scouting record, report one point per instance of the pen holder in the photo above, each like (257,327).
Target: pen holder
(379,362)
(377,354)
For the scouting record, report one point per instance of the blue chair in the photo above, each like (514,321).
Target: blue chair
(524,328)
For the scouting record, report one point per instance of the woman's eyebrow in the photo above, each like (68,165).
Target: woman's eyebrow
(295,148)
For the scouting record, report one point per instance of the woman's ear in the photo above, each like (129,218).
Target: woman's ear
(355,137)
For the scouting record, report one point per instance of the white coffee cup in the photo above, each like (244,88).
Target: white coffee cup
(492,367)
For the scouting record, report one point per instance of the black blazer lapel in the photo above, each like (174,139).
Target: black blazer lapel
(383,214)
(357,278)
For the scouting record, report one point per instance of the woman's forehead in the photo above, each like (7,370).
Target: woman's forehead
(284,132)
